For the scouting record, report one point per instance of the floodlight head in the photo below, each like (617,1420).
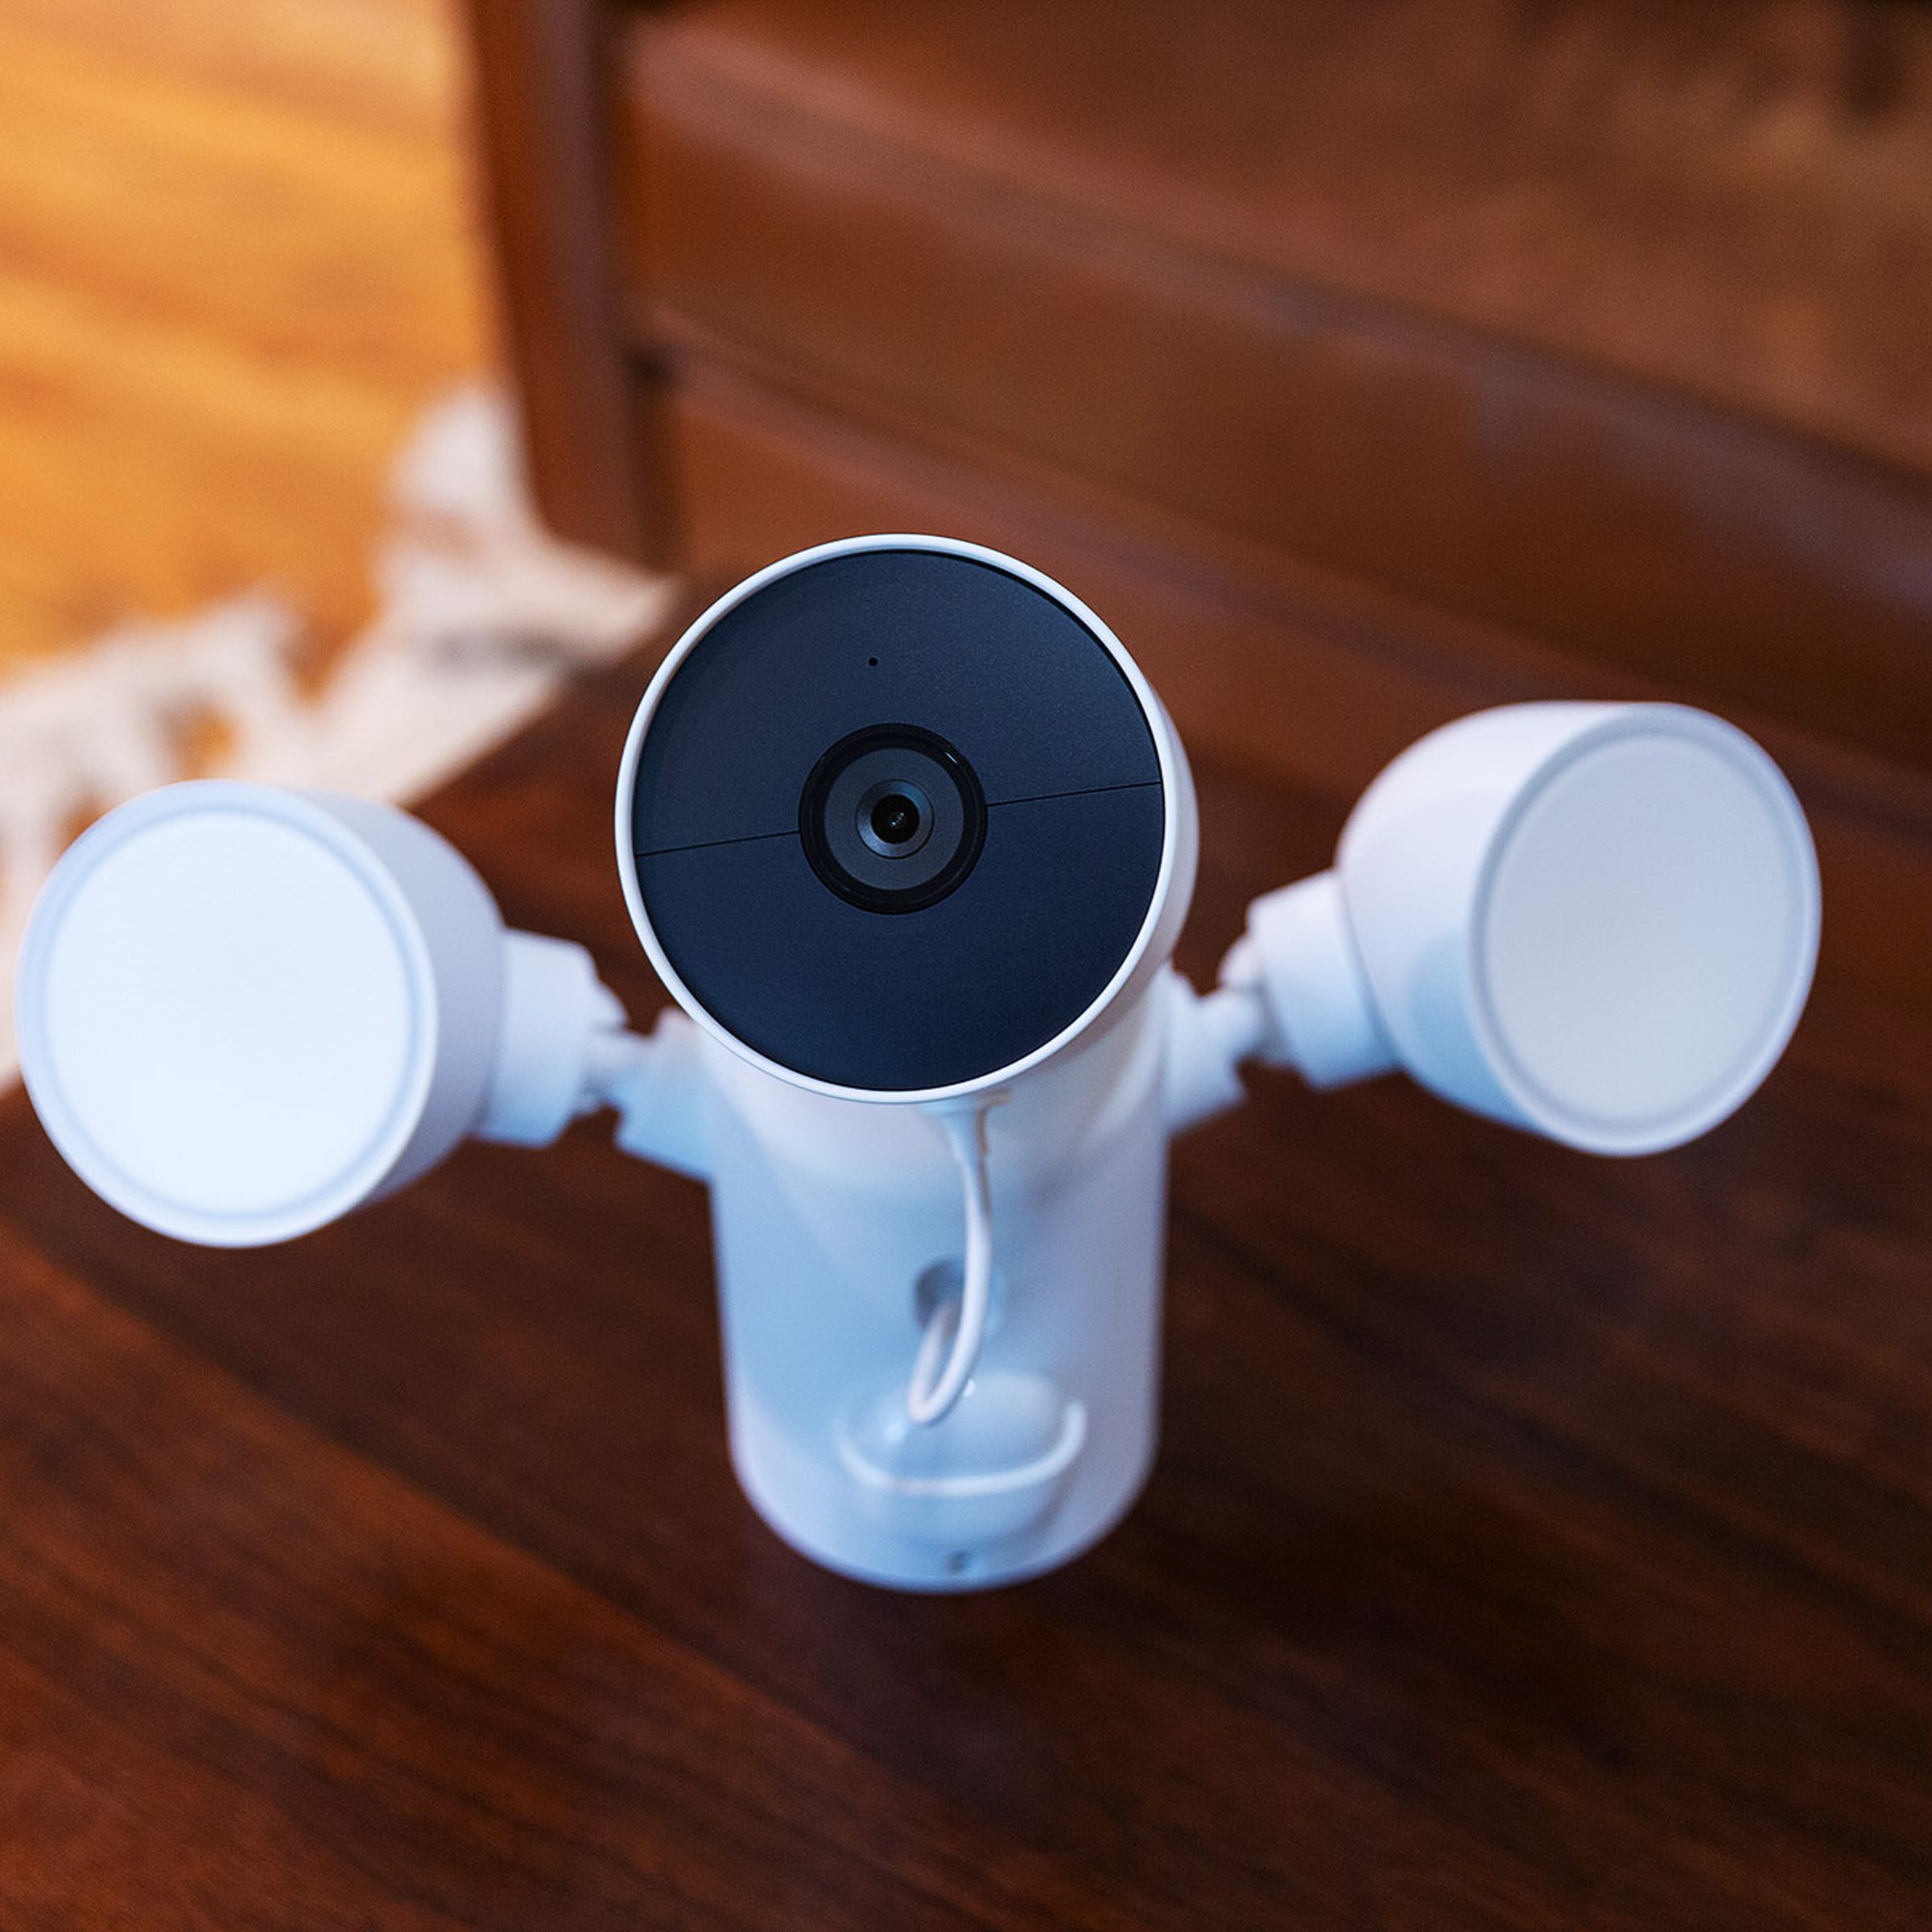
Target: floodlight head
(1597,922)
(243,1012)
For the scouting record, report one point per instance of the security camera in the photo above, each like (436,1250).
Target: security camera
(900,819)
(909,840)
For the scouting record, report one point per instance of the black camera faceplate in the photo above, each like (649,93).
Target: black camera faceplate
(893,997)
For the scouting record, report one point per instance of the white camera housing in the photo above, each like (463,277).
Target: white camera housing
(909,840)
(832,1016)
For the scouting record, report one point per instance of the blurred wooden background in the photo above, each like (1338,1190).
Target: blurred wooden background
(236,257)
(1360,360)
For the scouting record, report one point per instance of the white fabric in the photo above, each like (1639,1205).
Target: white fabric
(484,617)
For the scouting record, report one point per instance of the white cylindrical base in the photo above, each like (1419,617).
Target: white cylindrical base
(834,1220)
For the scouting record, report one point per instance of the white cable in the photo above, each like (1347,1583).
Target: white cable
(955,1329)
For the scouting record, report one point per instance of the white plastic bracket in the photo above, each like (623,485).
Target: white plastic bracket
(1208,1036)
(660,1087)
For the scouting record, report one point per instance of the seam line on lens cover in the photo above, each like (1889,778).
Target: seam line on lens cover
(749,838)
(1078,791)
(1037,798)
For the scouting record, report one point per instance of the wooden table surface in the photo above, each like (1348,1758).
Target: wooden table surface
(1536,1541)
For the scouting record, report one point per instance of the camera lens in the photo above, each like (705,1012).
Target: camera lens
(892,817)
(895,818)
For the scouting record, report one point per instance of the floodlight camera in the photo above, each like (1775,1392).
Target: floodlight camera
(909,840)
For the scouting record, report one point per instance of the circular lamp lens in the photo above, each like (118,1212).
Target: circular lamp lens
(227,1017)
(1645,932)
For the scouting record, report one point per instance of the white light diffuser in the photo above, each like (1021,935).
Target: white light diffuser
(244,1011)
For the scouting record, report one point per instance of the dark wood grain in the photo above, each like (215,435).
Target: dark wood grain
(1596,328)
(542,78)
(1329,286)
(1536,1541)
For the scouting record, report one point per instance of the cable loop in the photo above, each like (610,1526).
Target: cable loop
(956,1329)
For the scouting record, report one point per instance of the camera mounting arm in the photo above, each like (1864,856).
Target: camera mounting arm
(1210,1036)
(1291,993)
(656,1083)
